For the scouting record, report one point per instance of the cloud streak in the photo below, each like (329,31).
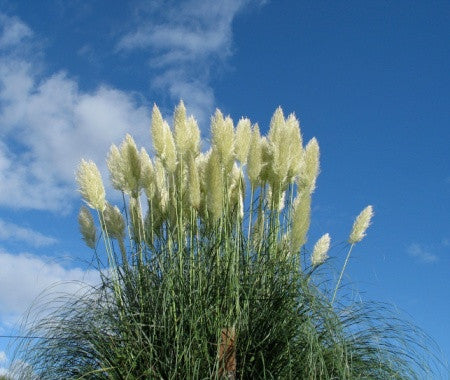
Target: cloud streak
(185,41)
(13,232)
(422,254)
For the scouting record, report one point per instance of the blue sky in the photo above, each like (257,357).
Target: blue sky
(368,79)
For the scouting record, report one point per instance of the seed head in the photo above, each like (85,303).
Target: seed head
(310,167)
(114,222)
(157,131)
(194,136)
(161,186)
(320,251)
(222,132)
(182,136)
(115,166)
(300,221)
(276,125)
(277,152)
(295,146)
(147,174)
(87,227)
(124,166)
(360,225)
(170,153)
(91,185)
(242,140)
(131,165)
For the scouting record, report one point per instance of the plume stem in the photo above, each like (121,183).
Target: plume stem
(342,273)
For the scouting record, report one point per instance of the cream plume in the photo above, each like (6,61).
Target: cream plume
(254,156)
(194,136)
(242,140)
(87,227)
(182,135)
(91,185)
(157,131)
(360,225)
(147,174)
(222,133)
(300,221)
(320,251)
(310,167)
(114,222)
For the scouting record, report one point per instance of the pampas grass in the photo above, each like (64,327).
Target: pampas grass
(197,285)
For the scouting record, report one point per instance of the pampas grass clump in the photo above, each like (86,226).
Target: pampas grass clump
(203,273)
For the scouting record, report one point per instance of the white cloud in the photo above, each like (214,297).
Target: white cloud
(421,253)
(48,124)
(24,277)
(13,31)
(10,231)
(185,41)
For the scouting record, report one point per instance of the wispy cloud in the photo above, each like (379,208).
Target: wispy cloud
(13,31)
(13,232)
(185,41)
(25,276)
(421,253)
(48,124)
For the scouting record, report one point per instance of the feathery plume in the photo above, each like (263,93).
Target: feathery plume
(295,146)
(170,154)
(87,227)
(276,125)
(182,136)
(161,190)
(360,225)
(131,162)
(147,174)
(310,168)
(194,136)
(124,166)
(157,131)
(254,156)
(222,132)
(242,140)
(116,168)
(91,185)
(300,221)
(114,223)
(320,251)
